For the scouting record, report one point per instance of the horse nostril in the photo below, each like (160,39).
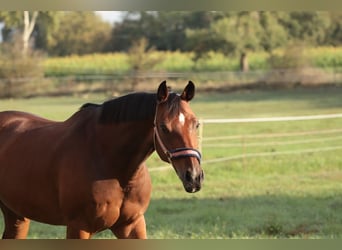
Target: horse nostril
(202,175)
(188,176)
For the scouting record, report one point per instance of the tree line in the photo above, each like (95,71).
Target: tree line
(60,33)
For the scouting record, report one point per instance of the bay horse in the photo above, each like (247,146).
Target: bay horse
(88,172)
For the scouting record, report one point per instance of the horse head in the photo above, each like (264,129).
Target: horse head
(175,134)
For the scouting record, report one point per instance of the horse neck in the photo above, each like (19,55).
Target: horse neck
(125,145)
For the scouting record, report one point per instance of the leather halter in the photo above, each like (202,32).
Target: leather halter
(177,152)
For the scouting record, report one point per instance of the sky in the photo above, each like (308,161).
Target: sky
(111,16)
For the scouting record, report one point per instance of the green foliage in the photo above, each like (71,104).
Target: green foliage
(174,61)
(214,61)
(92,64)
(307,26)
(291,58)
(45,25)
(140,56)
(11,19)
(18,70)
(242,31)
(118,63)
(227,32)
(325,57)
(65,33)
(79,33)
(165,30)
(334,32)
(274,34)
(141,59)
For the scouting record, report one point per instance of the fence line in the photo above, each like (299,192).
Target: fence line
(274,135)
(263,154)
(263,119)
(272,119)
(273,143)
(288,152)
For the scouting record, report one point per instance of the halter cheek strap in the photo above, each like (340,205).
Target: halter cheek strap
(178,152)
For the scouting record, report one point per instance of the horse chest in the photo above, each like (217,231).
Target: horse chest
(114,205)
(136,199)
(107,198)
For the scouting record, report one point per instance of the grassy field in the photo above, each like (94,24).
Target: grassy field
(263,180)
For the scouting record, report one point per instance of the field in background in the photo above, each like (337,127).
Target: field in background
(114,73)
(118,63)
(263,180)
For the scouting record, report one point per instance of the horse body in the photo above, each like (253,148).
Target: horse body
(81,188)
(17,133)
(82,173)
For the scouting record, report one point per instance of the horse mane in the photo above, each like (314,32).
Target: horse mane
(132,107)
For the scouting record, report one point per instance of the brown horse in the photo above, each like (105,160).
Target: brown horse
(89,172)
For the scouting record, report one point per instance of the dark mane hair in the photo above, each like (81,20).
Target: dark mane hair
(132,107)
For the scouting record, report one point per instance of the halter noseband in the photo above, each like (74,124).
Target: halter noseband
(178,152)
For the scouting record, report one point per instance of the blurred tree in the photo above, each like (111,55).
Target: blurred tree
(334,31)
(165,30)
(141,59)
(236,33)
(39,27)
(63,33)
(19,21)
(308,26)
(200,19)
(19,62)
(78,33)
(201,41)
(170,33)
(241,32)
(129,30)
(274,34)
(18,71)
(47,24)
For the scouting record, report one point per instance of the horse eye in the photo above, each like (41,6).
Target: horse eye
(197,125)
(164,128)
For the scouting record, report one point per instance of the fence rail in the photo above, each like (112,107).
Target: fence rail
(69,81)
(263,119)
(272,119)
(266,154)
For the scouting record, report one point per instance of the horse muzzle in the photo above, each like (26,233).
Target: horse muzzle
(193,177)
(192,181)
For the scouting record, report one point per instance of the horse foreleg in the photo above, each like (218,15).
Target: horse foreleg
(16,227)
(134,230)
(76,233)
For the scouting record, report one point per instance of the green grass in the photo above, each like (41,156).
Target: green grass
(271,190)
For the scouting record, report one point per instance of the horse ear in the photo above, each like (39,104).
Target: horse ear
(188,92)
(163,92)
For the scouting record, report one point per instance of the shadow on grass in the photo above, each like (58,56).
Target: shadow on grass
(266,216)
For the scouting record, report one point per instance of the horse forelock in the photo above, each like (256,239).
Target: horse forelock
(173,103)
